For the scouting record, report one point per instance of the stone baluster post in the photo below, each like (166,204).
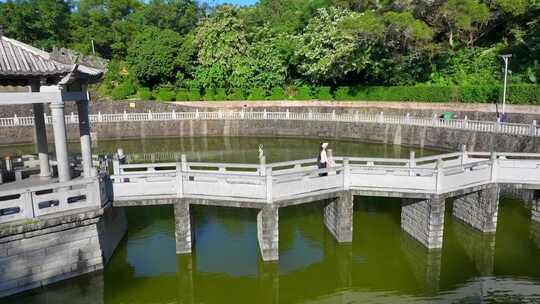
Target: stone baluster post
(346,174)
(440,175)
(412,163)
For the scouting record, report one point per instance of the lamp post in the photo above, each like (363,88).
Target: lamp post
(505,58)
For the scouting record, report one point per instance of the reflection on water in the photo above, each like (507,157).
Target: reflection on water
(382,265)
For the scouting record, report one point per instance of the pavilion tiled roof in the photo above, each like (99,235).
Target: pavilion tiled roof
(18,59)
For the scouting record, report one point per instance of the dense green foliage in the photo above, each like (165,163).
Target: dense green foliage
(299,49)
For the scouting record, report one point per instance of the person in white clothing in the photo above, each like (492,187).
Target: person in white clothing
(322,159)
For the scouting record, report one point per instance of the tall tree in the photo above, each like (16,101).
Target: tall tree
(221,41)
(42,23)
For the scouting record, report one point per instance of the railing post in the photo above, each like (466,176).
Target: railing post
(333,115)
(346,174)
(262,168)
(15,120)
(264,114)
(45,118)
(532,131)
(242,114)
(408,118)
(310,116)
(150,115)
(412,163)
(173,114)
(179,180)
(287,114)
(440,175)
(269,185)
(99,117)
(184,163)
(220,115)
(466,122)
(356,117)
(494,165)
(381,117)
(125,116)
(464,155)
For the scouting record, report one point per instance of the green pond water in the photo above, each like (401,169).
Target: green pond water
(382,265)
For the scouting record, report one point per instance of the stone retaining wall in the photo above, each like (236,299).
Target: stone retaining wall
(372,132)
(35,258)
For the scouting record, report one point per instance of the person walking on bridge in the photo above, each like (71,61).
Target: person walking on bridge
(322,158)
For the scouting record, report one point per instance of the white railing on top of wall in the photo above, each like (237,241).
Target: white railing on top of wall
(532,129)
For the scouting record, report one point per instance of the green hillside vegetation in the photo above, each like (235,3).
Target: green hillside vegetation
(436,51)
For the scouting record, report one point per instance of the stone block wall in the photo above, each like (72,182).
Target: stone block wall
(478,209)
(424,220)
(37,257)
(338,217)
(182,220)
(268,232)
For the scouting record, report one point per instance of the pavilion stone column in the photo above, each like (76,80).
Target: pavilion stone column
(41,134)
(479,209)
(338,217)
(268,232)
(424,220)
(60,141)
(86,141)
(41,140)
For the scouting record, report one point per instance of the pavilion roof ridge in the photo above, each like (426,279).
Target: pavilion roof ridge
(20,60)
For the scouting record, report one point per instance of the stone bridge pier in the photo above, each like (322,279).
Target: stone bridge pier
(338,217)
(423,219)
(479,209)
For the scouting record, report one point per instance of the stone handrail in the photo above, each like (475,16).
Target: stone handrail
(532,129)
(293,179)
(34,201)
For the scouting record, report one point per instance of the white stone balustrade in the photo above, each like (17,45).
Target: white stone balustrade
(532,129)
(35,201)
(267,183)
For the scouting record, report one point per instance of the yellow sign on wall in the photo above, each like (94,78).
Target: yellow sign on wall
(132,105)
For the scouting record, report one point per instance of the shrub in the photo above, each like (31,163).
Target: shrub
(144,94)
(237,94)
(343,93)
(123,90)
(291,92)
(165,94)
(324,93)
(209,94)
(304,93)
(470,94)
(522,94)
(257,94)
(221,94)
(278,93)
(182,95)
(194,95)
